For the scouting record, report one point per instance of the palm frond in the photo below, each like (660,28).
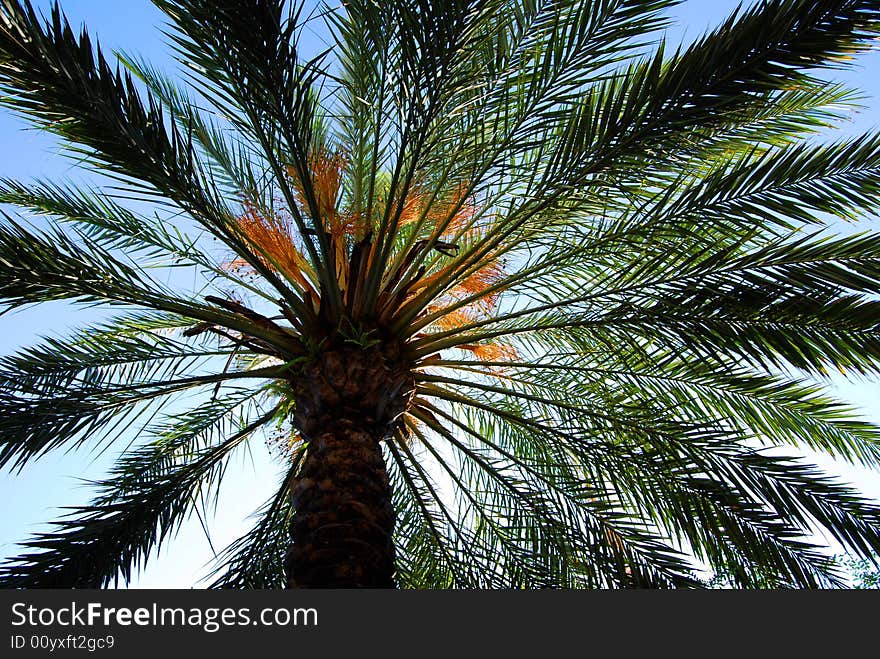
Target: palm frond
(97,544)
(584,288)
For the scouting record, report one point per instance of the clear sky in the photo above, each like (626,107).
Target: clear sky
(34,496)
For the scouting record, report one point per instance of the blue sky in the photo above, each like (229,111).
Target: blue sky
(34,496)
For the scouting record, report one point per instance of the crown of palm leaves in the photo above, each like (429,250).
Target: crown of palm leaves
(606,264)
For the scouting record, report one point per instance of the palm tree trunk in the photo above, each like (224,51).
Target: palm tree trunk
(348,401)
(344,517)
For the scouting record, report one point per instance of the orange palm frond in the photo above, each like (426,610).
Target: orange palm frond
(412,208)
(437,216)
(353,224)
(236,265)
(478,282)
(325,172)
(446,226)
(492,352)
(455,318)
(273,238)
(459,222)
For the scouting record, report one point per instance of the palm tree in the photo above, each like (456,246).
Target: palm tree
(523,296)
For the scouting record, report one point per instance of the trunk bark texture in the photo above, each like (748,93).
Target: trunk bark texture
(347,402)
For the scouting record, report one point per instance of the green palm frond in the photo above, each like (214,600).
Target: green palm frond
(145,499)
